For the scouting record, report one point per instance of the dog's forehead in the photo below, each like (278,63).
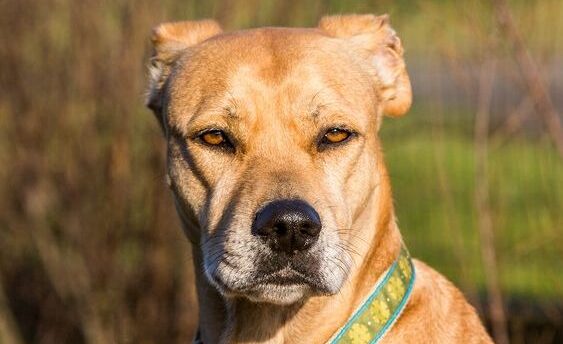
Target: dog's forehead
(298,69)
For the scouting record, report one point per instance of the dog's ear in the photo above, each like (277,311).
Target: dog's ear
(170,41)
(373,38)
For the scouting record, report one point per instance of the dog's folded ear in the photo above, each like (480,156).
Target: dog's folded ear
(170,41)
(373,39)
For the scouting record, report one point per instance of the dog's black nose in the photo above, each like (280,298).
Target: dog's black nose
(288,225)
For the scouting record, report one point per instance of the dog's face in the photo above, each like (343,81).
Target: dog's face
(272,146)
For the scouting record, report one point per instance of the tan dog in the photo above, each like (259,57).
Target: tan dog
(278,177)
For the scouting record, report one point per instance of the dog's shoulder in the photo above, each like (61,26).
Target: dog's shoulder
(437,313)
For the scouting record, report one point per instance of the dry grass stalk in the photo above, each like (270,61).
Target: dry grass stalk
(483,207)
(537,89)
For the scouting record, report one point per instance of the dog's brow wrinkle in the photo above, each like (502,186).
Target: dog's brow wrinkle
(312,101)
(231,112)
(232,107)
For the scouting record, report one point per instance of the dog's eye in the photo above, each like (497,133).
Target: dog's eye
(336,135)
(216,138)
(213,137)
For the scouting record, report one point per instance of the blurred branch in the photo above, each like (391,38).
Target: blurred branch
(536,88)
(482,203)
(8,330)
(513,122)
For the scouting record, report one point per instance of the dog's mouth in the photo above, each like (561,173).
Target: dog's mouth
(284,286)
(280,280)
(241,270)
(287,276)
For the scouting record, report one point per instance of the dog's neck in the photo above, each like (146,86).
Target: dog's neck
(239,320)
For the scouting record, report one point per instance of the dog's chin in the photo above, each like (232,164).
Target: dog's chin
(278,294)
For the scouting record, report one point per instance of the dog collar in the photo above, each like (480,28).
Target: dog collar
(382,307)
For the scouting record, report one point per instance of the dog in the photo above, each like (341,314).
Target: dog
(278,177)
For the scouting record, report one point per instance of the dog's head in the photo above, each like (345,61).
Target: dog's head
(272,145)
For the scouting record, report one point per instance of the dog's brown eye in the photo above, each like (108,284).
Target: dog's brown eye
(336,135)
(214,137)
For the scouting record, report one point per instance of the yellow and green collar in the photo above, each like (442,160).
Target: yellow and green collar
(382,307)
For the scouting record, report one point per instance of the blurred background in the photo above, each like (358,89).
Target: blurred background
(90,246)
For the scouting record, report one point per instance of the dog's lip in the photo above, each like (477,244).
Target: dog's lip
(282,279)
(288,277)
(284,276)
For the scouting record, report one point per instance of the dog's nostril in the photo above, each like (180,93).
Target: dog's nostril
(280,229)
(288,225)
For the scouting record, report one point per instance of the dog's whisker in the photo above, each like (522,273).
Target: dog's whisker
(347,247)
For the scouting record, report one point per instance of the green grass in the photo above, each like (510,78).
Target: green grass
(432,170)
